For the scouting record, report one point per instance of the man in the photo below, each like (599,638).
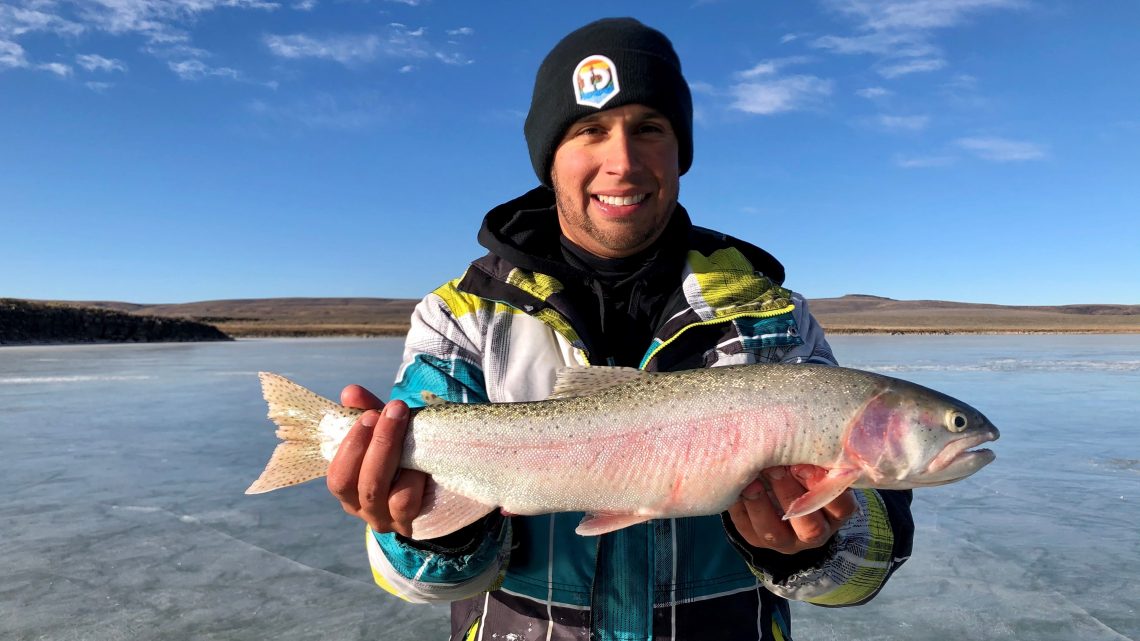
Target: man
(601,265)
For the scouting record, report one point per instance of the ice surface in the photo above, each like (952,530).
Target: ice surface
(123,515)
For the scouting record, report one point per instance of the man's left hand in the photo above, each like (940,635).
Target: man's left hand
(759,514)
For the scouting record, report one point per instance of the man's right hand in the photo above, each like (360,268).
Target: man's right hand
(365,474)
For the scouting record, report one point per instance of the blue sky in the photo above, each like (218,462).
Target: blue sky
(180,150)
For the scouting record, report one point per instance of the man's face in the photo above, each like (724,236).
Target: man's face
(616,179)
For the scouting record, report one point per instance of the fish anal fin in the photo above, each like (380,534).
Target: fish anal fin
(443,512)
(581,381)
(594,524)
(823,492)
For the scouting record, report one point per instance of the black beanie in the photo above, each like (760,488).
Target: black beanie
(606,64)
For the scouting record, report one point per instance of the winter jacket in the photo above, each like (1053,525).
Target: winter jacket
(499,334)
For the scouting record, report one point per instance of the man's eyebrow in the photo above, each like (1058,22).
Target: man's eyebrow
(648,114)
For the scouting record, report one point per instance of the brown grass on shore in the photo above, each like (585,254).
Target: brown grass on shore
(283,330)
(844,315)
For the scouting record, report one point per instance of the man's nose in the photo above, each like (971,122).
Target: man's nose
(621,154)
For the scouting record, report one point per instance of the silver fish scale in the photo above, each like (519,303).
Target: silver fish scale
(618,449)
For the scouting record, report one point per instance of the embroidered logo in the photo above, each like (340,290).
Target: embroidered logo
(595,81)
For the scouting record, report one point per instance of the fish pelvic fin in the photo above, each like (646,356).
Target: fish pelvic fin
(825,491)
(582,381)
(297,412)
(594,524)
(443,512)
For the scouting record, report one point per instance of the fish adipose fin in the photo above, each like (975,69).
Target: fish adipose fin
(602,523)
(297,413)
(835,483)
(431,399)
(581,381)
(444,512)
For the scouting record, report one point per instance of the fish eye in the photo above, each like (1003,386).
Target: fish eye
(956,421)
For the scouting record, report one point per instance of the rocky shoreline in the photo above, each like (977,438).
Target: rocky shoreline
(30,323)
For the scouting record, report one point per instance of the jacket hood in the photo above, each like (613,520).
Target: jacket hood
(525,232)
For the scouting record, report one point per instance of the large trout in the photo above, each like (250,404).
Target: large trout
(626,446)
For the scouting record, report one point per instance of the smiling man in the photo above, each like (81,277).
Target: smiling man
(602,266)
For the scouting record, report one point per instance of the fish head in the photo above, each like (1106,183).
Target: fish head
(908,436)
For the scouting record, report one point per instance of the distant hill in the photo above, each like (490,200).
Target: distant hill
(854,313)
(864,313)
(29,322)
(287,316)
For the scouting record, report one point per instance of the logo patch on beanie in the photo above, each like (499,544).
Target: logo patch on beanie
(595,81)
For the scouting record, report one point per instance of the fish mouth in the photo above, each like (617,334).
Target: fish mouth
(958,459)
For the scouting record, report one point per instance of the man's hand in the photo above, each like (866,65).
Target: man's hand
(759,513)
(365,474)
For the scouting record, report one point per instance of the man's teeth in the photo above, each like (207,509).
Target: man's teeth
(620,200)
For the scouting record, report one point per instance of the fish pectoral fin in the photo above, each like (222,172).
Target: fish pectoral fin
(443,512)
(594,524)
(835,483)
(582,381)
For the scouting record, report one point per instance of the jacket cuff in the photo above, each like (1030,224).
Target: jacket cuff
(777,567)
(849,570)
(421,571)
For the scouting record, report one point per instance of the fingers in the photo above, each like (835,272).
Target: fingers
(757,519)
(758,516)
(344,469)
(357,396)
(379,466)
(810,530)
(406,499)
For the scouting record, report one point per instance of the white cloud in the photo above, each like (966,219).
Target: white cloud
(771,67)
(12,55)
(917,65)
(196,70)
(410,3)
(305,5)
(915,162)
(407,69)
(900,31)
(703,87)
(788,37)
(780,94)
(98,87)
(325,111)
(343,49)
(398,42)
(95,62)
(57,68)
(874,43)
(871,93)
(885,15)
(159,21)
(161,24)
(452,58)
(17,21)
(1002,149)
(461,31)
(904,123)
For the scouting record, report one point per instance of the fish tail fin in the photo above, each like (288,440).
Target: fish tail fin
(297,413)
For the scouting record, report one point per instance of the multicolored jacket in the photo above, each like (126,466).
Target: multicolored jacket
(499,334)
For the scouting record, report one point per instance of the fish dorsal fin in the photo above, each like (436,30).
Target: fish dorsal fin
(580,381)
(431,399)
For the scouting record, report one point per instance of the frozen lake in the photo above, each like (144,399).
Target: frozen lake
(123,516)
